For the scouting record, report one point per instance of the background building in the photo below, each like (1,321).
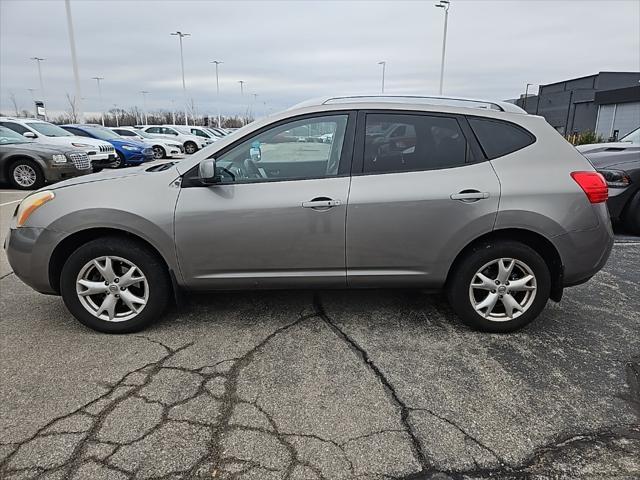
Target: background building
(607,103)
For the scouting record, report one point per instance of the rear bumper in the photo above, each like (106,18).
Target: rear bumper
(584,253)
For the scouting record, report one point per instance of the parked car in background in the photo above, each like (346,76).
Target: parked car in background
(27,164)
(190,142)
(220,132)
(162,147)
(619,163)
(101,153)
(205,133)
(489,203)
(129,152)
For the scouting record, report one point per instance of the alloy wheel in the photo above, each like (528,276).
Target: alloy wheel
(190,148)
(112,288)
(158,153)
(503,289)
(25,175)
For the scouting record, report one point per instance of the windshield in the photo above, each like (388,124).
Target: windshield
(143,134)
(102,133)
(49,129)
(9,136)
(633,137)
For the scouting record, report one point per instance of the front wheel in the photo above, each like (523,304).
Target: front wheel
(115,285)
(190,148)
(26,175)
(120,161)
(158,152)
(499,286)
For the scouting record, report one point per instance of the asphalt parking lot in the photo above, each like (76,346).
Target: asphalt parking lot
(328,385)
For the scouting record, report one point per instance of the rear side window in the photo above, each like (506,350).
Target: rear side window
(126,133)
(498,138)
(402,143)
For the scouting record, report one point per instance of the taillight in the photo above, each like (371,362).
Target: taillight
(593,184)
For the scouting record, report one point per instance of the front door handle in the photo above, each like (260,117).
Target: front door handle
(469,195)
(321,203)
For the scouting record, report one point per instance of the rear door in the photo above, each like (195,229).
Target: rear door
(421,190)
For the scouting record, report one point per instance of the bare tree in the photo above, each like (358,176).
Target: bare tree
(72,111)
(12,96)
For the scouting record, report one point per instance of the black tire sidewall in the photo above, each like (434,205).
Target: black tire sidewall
(164,153)
(122,160)
(190,144)
(150,265)
(40,180)
(458,288)
(631,216)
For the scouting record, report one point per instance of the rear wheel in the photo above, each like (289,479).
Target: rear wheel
(26,174)
(631,216)
(115,285)
(190,148)
(499,286)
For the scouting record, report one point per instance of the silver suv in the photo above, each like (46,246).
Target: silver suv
(477,198)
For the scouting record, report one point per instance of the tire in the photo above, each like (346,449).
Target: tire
(158,152)
(531,296)
(154,288)
(190,148)
(631,215)
(25,174)
(120,162)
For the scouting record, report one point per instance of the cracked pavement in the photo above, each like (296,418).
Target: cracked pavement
(325,385)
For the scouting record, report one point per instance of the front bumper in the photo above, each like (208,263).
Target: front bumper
(136,158)
(28,250)
(57,172)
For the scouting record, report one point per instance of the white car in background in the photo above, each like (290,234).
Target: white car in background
(101,153)
(162,147)
(205,133)
(189,141)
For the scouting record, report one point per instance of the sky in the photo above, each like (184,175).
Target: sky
(289,51)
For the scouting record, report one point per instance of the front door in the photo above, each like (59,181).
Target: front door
(277,216)
(420,194)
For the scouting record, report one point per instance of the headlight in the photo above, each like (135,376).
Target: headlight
(616,178)
(130,149)
(80,145)
(59,159)
(31,204)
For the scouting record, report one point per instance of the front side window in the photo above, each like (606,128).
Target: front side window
(169,131)
(8,136)
(153,130)
(309,148)
(400,143)
(199,133)
(16,127)
(498,138)
(125,133)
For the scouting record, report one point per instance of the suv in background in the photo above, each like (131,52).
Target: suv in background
(190,142)
(130,152)
(205,133)
(476,198)
(162,147)
(102,154)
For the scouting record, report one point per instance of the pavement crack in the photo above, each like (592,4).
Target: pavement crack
(361,353)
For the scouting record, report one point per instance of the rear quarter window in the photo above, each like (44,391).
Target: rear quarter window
(498,138)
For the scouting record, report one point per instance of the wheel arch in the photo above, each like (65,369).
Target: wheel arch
(542,245)
(70,243)
(20,156)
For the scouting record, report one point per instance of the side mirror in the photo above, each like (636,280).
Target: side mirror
(207,171)
(29,135)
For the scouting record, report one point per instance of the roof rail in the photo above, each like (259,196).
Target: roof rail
(422,99)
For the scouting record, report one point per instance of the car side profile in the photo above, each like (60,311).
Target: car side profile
(162,147)
(475,198)
(190,142)
(28,165)
(129,152)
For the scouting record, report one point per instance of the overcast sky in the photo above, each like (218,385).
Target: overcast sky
(288,51)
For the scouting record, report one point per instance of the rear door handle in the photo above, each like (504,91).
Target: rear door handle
(470,195)
(321,203)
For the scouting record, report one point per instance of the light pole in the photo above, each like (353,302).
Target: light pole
(242,82)
(384,67)
(443,4)
(173,111)
(180,35)
(74,61)
(97,79)
(217,62)
(144,105)
(115,111)
(38,60)
(526,94)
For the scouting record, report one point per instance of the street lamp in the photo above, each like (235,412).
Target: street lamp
(144,105)
(180,35)
(384,67)
(217,62)
(443,4)
(38,60)
(74,61)
(97,79)
(115,111)
(242,82)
